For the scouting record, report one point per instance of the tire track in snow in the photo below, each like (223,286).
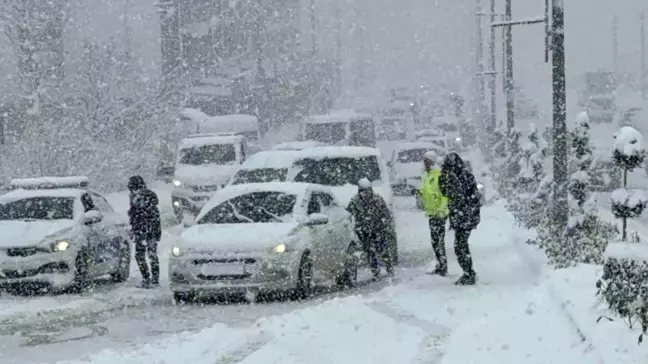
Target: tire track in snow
(430,348)
(245,349)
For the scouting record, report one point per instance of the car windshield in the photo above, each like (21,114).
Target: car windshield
(260,175)
(412,155)
(208,154)
(329,133)
(255,207)
(338,171)
(38,208)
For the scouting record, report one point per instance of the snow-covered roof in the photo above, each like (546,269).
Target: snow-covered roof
(270,159)
(20,194)
(340,116)
(228,123)
(50,182)
(628,141)
(293,188)
(337,152)
(199,141)
(427,133)
(416,145)
(298,145)
(193,114)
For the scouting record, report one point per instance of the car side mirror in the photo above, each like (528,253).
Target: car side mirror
(188,223)
(92,217)
(317,219)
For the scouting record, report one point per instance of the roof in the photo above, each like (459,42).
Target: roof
(270,159)
(416,145)
(228,123)
(50,182)
(337,152)
(20,194)
(341,116)
(298,145)
(234,118)
(193,114)
(198,141)
(231,191)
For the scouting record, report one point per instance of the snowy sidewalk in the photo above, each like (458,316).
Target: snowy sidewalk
(507,317)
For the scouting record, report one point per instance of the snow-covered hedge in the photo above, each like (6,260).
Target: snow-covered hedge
(628,203)
(624,284)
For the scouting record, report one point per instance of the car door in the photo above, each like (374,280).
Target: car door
(112,229)
(95,239)
(339,227)
(321,241)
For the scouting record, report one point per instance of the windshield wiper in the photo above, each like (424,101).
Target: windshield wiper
(238,215)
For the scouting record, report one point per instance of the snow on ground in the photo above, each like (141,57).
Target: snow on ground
(506,318)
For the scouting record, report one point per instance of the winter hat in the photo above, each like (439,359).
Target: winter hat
(431,155)
(364,184)
(136,183)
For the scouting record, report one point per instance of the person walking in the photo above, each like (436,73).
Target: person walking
(436,209)
(146,229)
(458,184)
(372,222)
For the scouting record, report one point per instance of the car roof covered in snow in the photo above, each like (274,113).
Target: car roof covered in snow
(338,152)
(234,123)
(210,139)
(416,145)
(340,116)
(270,159)
(49,182)
(298,145)
(193,114)
(232,191)
(20,194)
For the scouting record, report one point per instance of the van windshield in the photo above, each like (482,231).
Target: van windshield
(329,133)
(338,171)
(208,154)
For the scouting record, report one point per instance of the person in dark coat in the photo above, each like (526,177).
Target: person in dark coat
(458,184)
(146,229)
(372,222)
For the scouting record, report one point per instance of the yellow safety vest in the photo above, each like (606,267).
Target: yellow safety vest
(435,204)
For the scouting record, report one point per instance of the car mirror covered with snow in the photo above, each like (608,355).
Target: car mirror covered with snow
(92,217)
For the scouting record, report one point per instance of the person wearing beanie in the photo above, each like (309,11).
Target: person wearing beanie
(372,219)
(436,209)
(146,229)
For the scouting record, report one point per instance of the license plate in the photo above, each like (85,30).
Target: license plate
(222,269)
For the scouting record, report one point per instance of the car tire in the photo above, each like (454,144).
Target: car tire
(183,297)
(123,270)
(304,288)
(349,276)
(81,275)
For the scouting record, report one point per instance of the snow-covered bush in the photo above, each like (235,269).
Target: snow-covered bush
(628,152)
(586,236)
(530,191)
(624,283)
(507,168)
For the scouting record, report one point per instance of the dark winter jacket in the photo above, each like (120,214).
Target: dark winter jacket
(144,214)
(373,220)
(458,184)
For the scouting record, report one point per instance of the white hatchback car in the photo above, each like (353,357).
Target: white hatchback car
(55,232)
(265,237)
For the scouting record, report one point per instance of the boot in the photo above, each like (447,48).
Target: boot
(144,284)
(467,279)
(440,271)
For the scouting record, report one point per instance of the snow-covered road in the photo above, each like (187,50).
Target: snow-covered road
(415,318)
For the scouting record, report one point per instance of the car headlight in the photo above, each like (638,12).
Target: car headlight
(177,183)
(480,186)
(177,252)
(457,139)
(61,246)
(281,248)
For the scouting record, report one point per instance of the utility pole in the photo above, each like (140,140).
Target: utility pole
(492,82)
(615,44)
(508,76)
(313,28)
(642,36)
(479,62)
(561,209)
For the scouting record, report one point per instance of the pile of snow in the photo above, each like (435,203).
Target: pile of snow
(628,198)
(628,141)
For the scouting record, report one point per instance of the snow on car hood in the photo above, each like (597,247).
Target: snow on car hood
(16,234)
(408,170)
(205,175)
(345,193)
(235,238)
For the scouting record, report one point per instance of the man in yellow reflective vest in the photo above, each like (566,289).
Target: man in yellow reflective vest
(436,209)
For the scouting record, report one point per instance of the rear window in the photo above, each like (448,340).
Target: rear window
(338,171)
(412,155)
(261,175)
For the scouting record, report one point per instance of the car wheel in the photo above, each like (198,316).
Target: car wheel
(304,278)
(349,276)
(183,297)
(123,270)
(81,275)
